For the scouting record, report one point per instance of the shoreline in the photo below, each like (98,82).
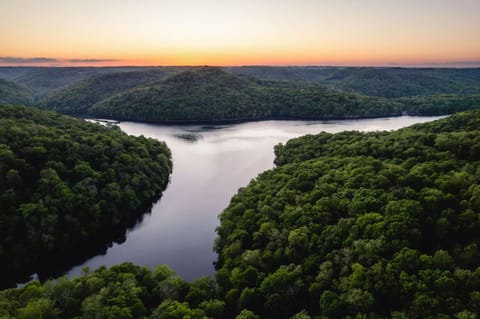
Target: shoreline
(116,120)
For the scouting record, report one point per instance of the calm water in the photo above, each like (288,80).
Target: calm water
(210,163)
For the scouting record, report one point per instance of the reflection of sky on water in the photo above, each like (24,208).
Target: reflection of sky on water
(208,169)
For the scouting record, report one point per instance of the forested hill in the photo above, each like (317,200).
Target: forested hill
(212,94)
(349,225)
(396,144)
(206,94)
(69,188)
(376,81)
(390,82)
(79,97)
(42,80)
(364,225)
(12,93)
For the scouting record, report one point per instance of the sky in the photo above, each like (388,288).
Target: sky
(240,32)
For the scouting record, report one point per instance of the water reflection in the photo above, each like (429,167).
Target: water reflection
(189,137)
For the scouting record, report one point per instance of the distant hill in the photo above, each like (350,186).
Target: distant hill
(13,93)
(378,81)
(13,72)
(193,94)
(440,104)
(213,94)
(43,80)
(80,96)
(385,82)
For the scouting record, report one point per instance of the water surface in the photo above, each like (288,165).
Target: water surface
(210,163)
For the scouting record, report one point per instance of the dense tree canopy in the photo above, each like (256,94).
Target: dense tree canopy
(124,291)
(349,225)
(366,225)
(440,104)
(12,93)
(375,81)
(42,80)
(390,82)
(66,184)
(212,94)
(79,97)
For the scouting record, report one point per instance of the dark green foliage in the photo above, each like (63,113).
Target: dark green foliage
(349,225)
(212,94)
(12,93)
(206,94)
(80,96)
(440,104)
(67,184)
(364,225)
(122,292)
(380,144)
(377,81)
(44,79)
(288,73)
(385,82)
(397,82)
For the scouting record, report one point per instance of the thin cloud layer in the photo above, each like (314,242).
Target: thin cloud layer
(90,60)
(44,60)
(18,60)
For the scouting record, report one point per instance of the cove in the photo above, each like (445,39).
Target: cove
(210,164)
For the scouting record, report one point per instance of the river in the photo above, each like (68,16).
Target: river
(210,163)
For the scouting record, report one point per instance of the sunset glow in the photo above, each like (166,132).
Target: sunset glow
(228,32)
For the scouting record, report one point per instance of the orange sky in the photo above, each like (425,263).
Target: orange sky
(240,32)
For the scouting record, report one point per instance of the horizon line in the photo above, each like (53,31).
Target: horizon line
(403,66)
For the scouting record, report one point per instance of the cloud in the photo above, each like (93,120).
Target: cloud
(17,60)
(44,60)
(90,60)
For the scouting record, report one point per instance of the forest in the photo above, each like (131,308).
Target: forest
(12,93)
(375,81)
(67,186)
(212,94)
(348,225)
(360,225)
(233,94)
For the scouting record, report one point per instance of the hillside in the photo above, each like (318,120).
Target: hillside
(12,93)
(378,81)
(197,94)
(80,96)
(205,94)
(439,104)
(43,80)
(384,82)
(398,82)
(13,72)
(69,188)
(213,94)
